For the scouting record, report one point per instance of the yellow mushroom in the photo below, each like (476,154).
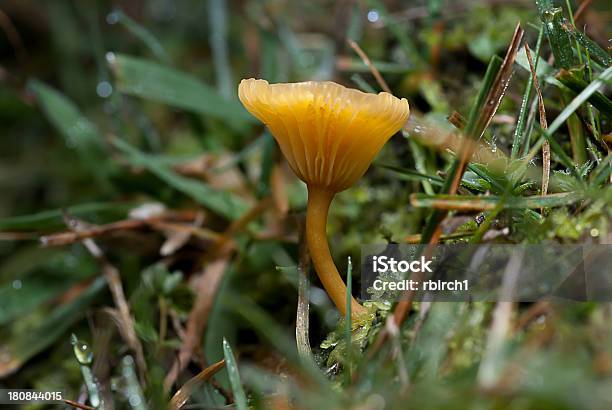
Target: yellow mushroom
(329,134)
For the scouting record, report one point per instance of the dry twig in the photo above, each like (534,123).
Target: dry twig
(366,60)
(78,405)
(162,222)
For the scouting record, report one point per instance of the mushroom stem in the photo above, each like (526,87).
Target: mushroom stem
(319,200)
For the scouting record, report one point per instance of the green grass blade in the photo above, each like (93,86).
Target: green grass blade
(240,399)
(347,322)
(580,99)
(267,163)
(355,65)
(414,175)
(362,84)
(594,118)
(222,202)
(78,132)
(576,133)
(21,296)
(569,27)
(498,182)
(140,32)
(30,258)
(467,181)
(34,337)
(573,80)
(597,53)
(150,80)
(462,202)
(133,390)
(602,172)
(558,37)
(543,5)
(217,11)
(53,219)
(517,139)
(543,69)
(418,153)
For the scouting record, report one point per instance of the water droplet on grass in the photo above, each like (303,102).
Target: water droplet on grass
(110,57)
(81,350)
(134,400)
(104,89)
(373,16)
(112,17)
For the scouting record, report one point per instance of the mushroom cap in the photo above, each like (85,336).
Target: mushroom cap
(329,133)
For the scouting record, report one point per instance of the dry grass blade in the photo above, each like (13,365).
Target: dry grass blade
(302,318)
(69,237)
(543,124)
(366,60)
(198,317)
(488,203)
(78,405)
(462,206)
(192,230)
(113,279)
(208,282)
(241,223)
(538,309)
(127,321)
(581,9)
(457,120)
(12,35)
(501,82)
(176,240)
(278,186)
(416,238)
(72,236)
(182,394)
(492,102)
(18,236)
(489,370)
(103,364)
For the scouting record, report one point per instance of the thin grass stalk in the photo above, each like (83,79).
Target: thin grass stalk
(517,139)
(571,18)
(347,322)
(580,99)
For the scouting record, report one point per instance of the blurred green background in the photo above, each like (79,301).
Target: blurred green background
(111,106)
